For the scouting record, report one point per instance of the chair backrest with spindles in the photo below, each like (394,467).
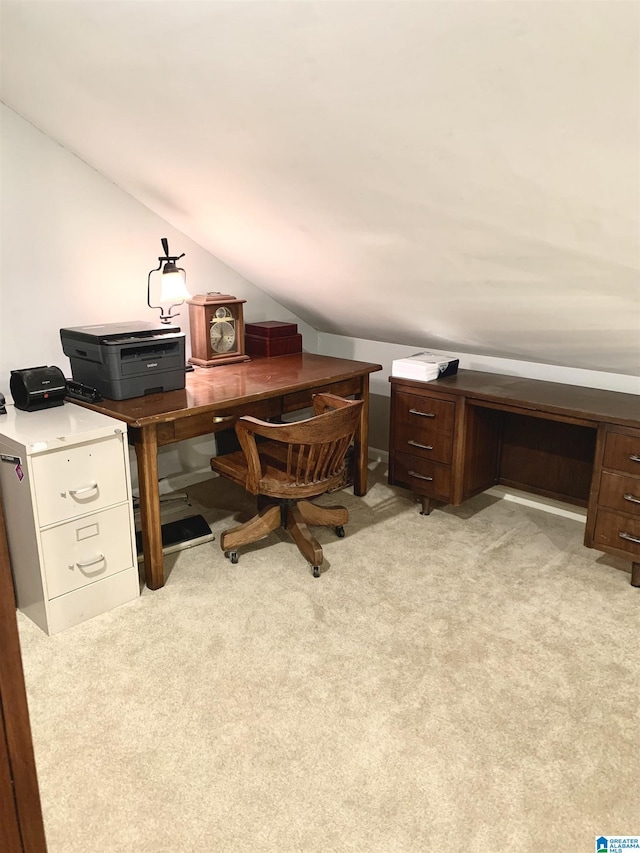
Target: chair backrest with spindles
(300,459)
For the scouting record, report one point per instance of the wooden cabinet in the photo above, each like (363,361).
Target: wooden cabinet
(66,487)
(421,438)
(614,510)
(455,437)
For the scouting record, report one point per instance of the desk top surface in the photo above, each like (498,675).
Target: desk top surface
(572,401)
(208,389)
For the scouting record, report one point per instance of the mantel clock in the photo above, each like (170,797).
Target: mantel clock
(217,329)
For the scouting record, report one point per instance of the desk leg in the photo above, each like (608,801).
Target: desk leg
(361,444)
(146,444)
(635,574)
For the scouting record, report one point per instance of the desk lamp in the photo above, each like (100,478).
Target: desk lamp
(184,532)
(173,287)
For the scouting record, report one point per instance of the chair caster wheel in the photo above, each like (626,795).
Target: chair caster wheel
(316,571)
(232,555)
(340,532)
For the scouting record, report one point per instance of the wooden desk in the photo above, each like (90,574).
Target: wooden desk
(212,400)
(455,437)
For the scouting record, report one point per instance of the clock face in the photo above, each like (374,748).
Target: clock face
(223,335)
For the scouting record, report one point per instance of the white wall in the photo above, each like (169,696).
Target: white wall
(384,354)
(76,250)
(450,174)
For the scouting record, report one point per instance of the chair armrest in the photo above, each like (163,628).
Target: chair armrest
(327,402)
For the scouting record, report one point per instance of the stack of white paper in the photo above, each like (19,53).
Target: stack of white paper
(424,366)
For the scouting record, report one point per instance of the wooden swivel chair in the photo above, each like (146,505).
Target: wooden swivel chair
(285,465)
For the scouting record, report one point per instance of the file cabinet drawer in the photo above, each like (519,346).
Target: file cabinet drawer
(622,452)
(620,492)
(422,476)
(423,413)
(79,479)
(619,531)
(84,550)
(92,599)
(424,443)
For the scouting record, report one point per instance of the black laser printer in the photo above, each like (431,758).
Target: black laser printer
(124,360)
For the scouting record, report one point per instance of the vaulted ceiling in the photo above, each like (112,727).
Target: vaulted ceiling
(455,174)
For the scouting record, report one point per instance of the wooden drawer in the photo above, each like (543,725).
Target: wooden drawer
(207,422)
(424,443)
(613,530)
(302,399)
(422,476)
(83,478)
(620,492)
(82,551)
(622,452)
(423,413)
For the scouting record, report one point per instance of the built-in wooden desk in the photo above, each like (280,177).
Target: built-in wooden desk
(212,400)
(454,437)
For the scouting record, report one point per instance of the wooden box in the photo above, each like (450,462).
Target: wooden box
(271,338)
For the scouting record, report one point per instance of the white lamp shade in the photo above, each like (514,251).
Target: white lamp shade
(173,287)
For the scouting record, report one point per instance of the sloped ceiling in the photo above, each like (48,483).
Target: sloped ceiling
(457,175)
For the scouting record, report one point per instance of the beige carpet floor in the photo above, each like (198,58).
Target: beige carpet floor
(467,681)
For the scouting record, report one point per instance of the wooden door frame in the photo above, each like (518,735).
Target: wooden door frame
(21,824)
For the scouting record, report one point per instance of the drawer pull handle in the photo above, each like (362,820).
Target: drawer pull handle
(76,493)
(425,446)
(99,559)
(424,414)
(632,498)
(634,457)
(630,538)
(424,477)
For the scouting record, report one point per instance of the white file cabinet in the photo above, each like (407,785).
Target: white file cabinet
(66,490)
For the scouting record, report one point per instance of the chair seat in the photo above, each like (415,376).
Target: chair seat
(273,456)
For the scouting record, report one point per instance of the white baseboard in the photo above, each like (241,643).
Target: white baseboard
(177,482)
(181,481)
(553,507)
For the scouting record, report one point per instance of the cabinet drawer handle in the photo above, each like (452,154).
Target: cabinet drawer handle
(632,498)
(93,562)
(634,457)
(427,446)
(630,538)
(77,492)
(423,414)
(430,479)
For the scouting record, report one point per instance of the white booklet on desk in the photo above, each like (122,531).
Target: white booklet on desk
(424,366)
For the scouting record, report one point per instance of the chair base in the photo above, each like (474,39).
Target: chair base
(295,516)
